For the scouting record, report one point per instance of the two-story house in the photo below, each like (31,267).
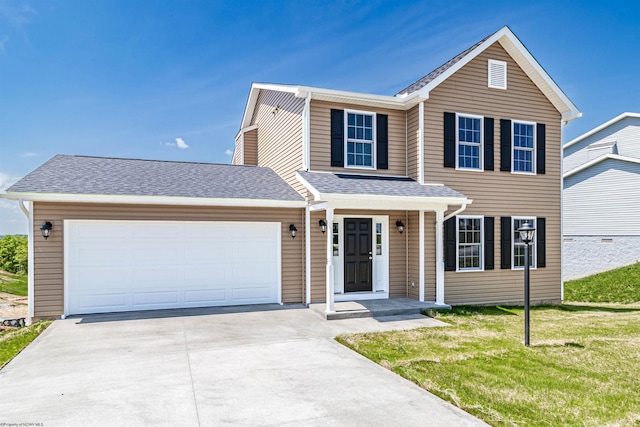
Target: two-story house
(602,177)
(333,196)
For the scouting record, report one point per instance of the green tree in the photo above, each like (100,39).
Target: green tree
(14,254)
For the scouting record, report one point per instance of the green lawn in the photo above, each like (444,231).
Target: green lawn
(583,366)
(14,341)
(13,284)
(621,285)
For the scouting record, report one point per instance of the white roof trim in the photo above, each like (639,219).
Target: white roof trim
(601,127)
(153,200)
(601,159)
(525,60)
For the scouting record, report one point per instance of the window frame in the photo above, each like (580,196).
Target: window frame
(532,246)
(481,244)
(374,141)
(480,167)
(534,149)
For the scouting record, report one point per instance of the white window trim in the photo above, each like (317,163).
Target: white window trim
(502,63)
(534,256)
(374,146)
(534,150)
(481,218)
(481,151)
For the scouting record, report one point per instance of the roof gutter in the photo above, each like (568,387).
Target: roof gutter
(153,200)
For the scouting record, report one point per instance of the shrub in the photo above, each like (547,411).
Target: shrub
(14,254)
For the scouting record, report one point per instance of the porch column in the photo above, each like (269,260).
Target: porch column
(330,283)
(421,256)
(439,258)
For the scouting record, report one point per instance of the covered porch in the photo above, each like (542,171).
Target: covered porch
(376,241)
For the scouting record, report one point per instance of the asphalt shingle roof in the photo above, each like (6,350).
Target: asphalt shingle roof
(375,185)
(111,176)
(438,71)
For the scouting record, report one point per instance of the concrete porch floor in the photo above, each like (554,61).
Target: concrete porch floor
(375,308)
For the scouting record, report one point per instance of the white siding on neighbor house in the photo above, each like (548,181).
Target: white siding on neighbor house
(625,133)
(586,255)
(603,200)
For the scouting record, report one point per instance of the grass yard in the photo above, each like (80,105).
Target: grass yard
(13,283)
(14,341)
(621,285)
(583,366)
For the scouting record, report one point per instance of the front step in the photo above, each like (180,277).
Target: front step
(375,308)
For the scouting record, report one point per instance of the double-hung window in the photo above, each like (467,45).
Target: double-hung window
(469,142)
(470,238)
(524,154)
(360,147)
(517,247)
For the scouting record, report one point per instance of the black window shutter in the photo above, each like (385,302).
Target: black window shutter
(449,140)
(505,242)
(337,138)
(450,243)
(382,136)
(488,242)
(488,144)
(540,148)
(541,241)
(505,145)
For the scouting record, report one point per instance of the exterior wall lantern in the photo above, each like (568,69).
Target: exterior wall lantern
(46,229)
(323,226)
(293,230)
(400,226)
(526,234)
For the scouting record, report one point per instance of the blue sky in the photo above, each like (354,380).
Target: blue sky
(169,80)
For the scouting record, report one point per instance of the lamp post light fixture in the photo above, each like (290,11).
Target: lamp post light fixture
(526,234)
(293,230)
(46,229)
(400,226)
(323,226)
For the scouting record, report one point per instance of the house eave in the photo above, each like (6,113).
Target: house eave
(601,127)
(153,200)
(598,160)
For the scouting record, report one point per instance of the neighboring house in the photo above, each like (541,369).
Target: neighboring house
(601,198)
(418,194)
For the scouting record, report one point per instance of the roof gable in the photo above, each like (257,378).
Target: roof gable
(520,55)
(601,128)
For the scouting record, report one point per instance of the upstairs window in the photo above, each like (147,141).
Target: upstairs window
(523,147)
(360,140)
(469,142)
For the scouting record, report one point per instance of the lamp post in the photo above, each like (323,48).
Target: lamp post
(526,234)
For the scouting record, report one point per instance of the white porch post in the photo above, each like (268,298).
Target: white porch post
(307,251)
(439,258)
(330,282)
(421,256)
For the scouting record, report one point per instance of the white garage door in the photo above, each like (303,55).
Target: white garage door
(146,265)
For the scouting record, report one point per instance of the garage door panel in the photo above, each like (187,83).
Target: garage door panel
(168,264)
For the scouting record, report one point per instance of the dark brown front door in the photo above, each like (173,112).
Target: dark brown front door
(357,255)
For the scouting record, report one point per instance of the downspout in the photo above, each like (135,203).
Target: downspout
(563,124)
(421,142)
(23,208)
(452,214)
(307,250)
(306,133)
(30,262)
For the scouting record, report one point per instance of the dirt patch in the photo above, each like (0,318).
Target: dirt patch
(12,306)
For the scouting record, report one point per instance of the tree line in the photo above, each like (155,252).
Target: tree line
(14,254)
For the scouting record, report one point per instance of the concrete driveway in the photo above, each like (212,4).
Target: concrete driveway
(274,366)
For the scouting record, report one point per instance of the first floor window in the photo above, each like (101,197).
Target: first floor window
(378,238)
(469,142)
(523,147)
(469,243)
(336,239)
(360,131)
(518,244)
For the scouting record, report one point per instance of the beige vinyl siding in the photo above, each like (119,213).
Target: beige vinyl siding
(279,135)
(49,255)
(497,193)
(237,152)
(251,147)
(320,127)
(397,254)
(413,141)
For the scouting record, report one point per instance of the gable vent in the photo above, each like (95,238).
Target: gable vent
(497,74)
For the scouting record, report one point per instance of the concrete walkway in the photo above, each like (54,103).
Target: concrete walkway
(207,367)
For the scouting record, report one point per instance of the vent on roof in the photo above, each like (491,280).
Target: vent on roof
(497,74)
